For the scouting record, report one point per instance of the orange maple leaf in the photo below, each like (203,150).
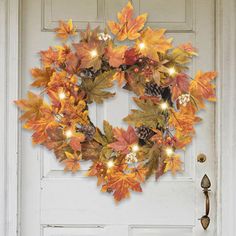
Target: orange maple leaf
(41,76)
(75,141)
(127,26)
(32,107)
(153,42)
(49,57)
(183,120)
(140,172)
(90,54)
(41,127)
(115,55)
(72,162)
(201,88)
(121,184)
(173,164)
(65,30)
(98,169)
(125,139)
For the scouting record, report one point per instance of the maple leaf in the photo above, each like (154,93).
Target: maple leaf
(188,47)
(140,172)
(62,54)
(65,30)
(55,138)
(40,126)
(95,88)
(48,57)
(32,107)
(115,55)
(151,114)
(153,156)
(121,184)
(183,54)
(125,139)
(75,141)
(41,76)
(120,77)
(71,115)
(108,130)
(98,169)
(173,164)
(127,26)
(72,63)
(153,42)
(183,120)
(135,83)
(90,54)
(180,85)
(201,87)
(182,140)
(72,162)
(91,150)
(89,35)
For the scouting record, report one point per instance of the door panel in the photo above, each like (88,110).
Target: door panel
(55,203)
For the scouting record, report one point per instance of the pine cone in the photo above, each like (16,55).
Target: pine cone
(144,132)
(152,89)
(88,131)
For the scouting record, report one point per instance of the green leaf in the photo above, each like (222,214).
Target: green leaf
(153,157)
(151,115)
(100,138)
(108,130)
(94,88)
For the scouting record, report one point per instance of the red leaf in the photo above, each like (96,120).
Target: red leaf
(124,139)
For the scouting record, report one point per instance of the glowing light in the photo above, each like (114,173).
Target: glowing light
(135,148)
(169,152)
(93,53)
(164,105)
(110,164)
(68,133)
(172,71)
(62,95)
(142,46)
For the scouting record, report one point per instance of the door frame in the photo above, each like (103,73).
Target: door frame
(225,63)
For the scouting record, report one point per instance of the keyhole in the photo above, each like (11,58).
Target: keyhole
(201,158)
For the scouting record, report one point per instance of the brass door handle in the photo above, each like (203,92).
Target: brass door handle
(206,184)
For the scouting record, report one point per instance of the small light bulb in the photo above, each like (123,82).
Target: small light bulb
(142,46)
(68,133)
(172,71)
(62,95)
(164,106)
(135,148)
(110,164)
(169,152)
(93,53)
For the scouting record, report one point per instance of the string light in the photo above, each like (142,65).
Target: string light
(62,95)
(68,133)
(110,164)
(169,151)
(135,148)
(93,53)
(142,46)
(164,105)
(172,71)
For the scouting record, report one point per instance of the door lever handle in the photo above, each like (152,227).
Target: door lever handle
(206,184)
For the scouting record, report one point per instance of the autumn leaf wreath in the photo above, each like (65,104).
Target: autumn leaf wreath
(79,73)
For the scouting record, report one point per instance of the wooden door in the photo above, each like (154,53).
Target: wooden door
(54,203)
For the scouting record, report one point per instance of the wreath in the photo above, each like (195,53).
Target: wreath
(78,73)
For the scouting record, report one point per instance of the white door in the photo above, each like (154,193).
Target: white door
(57,204)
